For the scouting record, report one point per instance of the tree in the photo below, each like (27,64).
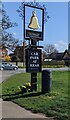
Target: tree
(36,4)
(50,48)
(7,58)
(49,51)
(6,39)
(15,58)
(6,23)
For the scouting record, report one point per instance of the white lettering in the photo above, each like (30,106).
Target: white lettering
(34,57)
(34,61)
(34,65)
(34,53)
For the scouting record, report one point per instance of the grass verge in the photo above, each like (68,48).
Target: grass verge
(53,104)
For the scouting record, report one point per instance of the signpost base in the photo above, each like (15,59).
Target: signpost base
(33,81)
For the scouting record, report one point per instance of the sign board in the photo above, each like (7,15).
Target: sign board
(33,60)
(33,22)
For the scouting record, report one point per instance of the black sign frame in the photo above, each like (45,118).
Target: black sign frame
(36,67)
(41,34)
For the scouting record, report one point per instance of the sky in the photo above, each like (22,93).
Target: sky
(56,28)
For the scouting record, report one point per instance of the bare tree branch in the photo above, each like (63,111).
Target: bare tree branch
(7,39)
(36,4)
(50,48)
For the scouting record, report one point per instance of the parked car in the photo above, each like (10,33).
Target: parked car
(8,66)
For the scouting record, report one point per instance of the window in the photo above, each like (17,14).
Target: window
(3,53)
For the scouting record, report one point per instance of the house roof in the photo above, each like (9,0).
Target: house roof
(55,56)
(59,56)
(3,47)
(66,54)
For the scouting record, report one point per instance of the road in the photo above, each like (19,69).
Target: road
(7,73)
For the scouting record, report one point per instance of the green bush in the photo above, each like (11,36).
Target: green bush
(20,66)
(53,63)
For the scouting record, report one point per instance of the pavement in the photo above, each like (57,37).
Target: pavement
(9,109)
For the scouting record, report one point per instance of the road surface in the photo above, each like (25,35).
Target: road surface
(7,73)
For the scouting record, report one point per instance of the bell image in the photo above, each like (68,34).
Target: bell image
(34,21)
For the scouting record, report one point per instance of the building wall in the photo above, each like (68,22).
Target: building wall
(3,53)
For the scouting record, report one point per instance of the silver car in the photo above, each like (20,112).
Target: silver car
(8,66)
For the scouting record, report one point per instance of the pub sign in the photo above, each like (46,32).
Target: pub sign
(33,60)
(33,22)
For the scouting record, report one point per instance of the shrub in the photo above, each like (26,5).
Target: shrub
(24,88)
(7,58)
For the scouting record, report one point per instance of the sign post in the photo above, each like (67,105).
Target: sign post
(34,81)
(37,66)
(33,31)
(33,64)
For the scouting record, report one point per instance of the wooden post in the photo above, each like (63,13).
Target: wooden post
(34,74)
(33,81)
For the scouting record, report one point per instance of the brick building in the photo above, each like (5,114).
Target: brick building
(3,53)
